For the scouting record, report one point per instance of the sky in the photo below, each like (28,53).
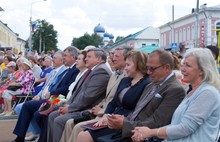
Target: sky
(73,18)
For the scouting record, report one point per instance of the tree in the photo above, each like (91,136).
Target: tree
(118,38)
(44,37)
(86,40)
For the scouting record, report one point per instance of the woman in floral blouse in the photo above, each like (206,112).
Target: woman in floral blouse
(25,82)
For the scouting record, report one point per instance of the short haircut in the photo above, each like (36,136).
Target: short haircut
(84,53)
(73,51)
(164,57)
(99,53)
(206,63)
(125,49)
(214,49)
(32,59)
(60,53)
(139,58)
(47,57)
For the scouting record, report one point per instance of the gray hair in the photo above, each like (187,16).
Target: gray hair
(61,53)
(99,53)
(48,57)
(125,49)
(206,62)
(73,51)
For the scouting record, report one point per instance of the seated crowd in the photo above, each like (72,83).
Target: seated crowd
(125,96)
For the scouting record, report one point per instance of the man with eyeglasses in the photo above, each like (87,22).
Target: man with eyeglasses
(157,103)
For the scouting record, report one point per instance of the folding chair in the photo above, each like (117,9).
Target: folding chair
(17,99)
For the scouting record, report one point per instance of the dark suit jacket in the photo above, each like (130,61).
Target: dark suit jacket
(158,111)
(64,83)
(129,99)
(92,90)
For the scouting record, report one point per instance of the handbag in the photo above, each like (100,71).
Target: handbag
(83,116)
(13,87)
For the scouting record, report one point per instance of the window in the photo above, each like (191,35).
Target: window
(193,32)
(180,35)
(188,33)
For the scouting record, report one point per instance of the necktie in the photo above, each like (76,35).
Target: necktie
(59,79)
(89,71)
(143,101)
(48,83)
(79,83)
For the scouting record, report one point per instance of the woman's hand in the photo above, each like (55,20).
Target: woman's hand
(36,98)
(140,133)
(102,121)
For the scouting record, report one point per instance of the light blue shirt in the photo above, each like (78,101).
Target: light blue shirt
(197,118)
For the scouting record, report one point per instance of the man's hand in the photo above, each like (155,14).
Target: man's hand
(95,110)
(36,98)
(47,95)
(63,109)
(115,121)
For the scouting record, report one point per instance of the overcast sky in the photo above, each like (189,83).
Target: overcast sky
(73,18)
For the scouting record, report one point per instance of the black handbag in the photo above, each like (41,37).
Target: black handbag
(83,116)
(13,88)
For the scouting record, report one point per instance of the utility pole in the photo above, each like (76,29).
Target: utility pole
(197,25)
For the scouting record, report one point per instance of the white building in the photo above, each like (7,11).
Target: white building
(146,39)
(184,30)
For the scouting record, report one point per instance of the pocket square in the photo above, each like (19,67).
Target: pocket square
(158,96)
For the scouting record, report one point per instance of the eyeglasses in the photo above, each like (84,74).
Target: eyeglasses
(152,69)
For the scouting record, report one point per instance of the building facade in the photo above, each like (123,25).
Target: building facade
(10,40)
(147,38)
(184,31)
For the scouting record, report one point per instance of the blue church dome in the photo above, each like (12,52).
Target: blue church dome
(111,36)
(106,34)
(99,29)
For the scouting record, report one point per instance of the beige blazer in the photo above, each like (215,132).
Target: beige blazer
(110,91)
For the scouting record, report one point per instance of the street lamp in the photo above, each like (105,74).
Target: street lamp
(30,37)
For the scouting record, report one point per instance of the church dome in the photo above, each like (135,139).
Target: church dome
(106,34)
(111,36)
(99,29)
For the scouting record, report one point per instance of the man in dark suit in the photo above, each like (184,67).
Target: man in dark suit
(88,92)
(158,101)
(30,109)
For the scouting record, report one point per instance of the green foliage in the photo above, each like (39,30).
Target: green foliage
(118,38)
(86,40)
(45,35)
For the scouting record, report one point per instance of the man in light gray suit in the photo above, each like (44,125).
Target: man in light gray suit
(88,92)
(71,130)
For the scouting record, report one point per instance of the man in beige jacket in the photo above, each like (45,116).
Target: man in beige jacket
(71,130)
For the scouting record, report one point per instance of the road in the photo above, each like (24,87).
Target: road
(6,129)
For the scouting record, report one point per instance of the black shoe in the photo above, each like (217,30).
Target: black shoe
(18,139)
